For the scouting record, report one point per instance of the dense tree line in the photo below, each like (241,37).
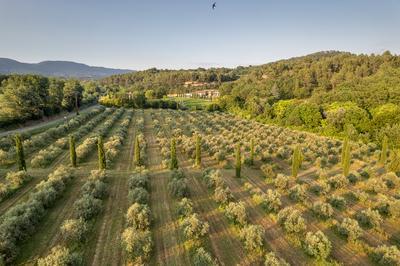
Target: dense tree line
(333,93)
(162,82)
(26,97)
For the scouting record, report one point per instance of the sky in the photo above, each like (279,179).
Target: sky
(189,34)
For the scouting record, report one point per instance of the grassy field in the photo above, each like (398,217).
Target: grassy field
(192,103)
(224,239)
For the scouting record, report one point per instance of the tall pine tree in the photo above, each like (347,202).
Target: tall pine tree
(20,153)
(174,161)
(384,150)
(198,150)
(297,159)
(238,165)
(101,153)
(72,152)
(137,151)
(346,157)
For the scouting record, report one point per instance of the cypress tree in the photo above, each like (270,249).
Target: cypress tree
(137,151)
(101,153)
(297,159)
(238,166)
(344,147)
(346,157)
(384,151)
(72,152)
(174,160)
(198,150)
(251,152)
(20,153)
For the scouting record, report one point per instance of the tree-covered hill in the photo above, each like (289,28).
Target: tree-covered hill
(332,93)
(64,69)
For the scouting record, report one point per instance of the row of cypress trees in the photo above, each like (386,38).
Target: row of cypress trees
(297,156)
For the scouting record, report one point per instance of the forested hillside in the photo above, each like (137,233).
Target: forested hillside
(171,81)
(332,93)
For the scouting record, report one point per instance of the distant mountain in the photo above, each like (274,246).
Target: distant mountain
(58,69)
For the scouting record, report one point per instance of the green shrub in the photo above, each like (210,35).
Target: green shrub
(369,218)
(178,188)
(202,258)
(386,256)
(291,220)
(74,230)
(272,260)
(337,202)
(138,245)
(268,171)
(317,245)
(297,193)
(282,182)
(138,195)
(138,216)
(322,210)
(252,236)
(338,181)
(185,207)
(60,256)
(223,195)
(193,228)
(139,180)
(236,212)
(87,207)
(350,229)
(271,201)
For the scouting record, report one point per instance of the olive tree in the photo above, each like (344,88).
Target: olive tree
(236,212)
(272,260)
(350,229)
(193,228)
(322,210)
(291,220)
(369,218)
(252,236)
(74,229)
(138,216)
(317,245)
(386,255)
(138,244)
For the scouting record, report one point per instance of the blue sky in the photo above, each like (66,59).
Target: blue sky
(189,34)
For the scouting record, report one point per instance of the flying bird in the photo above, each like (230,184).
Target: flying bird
(214,5)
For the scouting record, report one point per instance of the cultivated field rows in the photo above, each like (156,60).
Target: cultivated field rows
(142,210)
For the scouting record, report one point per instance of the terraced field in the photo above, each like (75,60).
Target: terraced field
(195,188)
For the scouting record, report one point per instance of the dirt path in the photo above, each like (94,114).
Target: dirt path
(106,249)
(168,249)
